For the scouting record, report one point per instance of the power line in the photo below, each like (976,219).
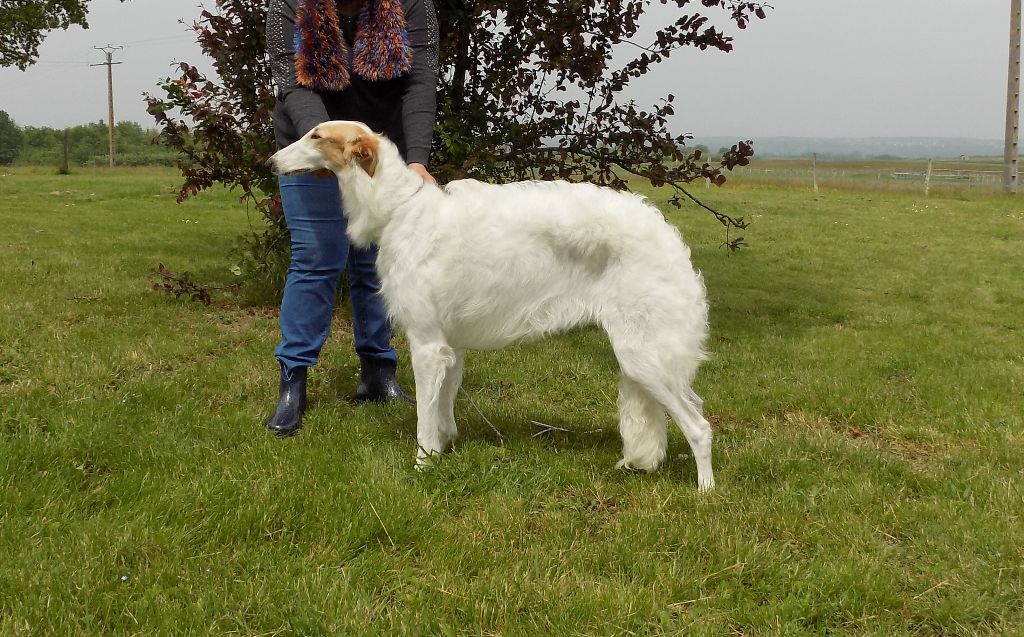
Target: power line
(36,78)
(182,37)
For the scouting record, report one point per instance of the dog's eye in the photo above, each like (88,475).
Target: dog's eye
(315,135)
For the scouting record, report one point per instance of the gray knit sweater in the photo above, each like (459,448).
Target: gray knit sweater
(404,109)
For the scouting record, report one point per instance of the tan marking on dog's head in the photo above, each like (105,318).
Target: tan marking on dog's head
(342,143)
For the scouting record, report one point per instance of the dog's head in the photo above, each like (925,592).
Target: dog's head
(333,146)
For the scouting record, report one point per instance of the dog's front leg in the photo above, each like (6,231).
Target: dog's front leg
(449,390)
(431,361)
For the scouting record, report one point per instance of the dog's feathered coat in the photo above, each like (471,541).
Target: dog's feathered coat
(478,266)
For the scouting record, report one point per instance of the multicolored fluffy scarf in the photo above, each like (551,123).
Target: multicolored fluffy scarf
(381,50)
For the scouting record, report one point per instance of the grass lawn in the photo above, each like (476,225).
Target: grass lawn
(865,388)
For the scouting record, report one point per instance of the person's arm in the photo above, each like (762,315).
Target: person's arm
(303,106)
(419,100)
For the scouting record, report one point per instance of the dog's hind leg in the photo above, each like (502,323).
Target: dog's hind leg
(668,382)
(431,363)
(642,425)
(688,415)
(683,406)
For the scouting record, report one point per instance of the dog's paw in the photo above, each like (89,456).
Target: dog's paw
(704,486)
(626,465)
(633,465)
(425,458)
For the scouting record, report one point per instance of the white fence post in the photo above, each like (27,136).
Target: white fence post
(814,171)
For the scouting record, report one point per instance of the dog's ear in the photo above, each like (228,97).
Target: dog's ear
(364,150)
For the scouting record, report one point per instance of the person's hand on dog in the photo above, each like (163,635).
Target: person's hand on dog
(421,170)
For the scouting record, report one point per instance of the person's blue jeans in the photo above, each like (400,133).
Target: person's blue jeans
(320,253)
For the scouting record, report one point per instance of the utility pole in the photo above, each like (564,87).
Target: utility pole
(65,167)
(109,51)
(1012,155)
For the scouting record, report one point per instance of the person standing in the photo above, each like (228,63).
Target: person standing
(372,61)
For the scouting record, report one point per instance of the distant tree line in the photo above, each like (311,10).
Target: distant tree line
(42,145)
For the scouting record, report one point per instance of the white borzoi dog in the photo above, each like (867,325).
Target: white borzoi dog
(478,266)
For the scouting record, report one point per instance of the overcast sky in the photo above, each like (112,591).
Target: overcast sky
(818,68)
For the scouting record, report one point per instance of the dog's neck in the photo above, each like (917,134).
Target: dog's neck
(372,202)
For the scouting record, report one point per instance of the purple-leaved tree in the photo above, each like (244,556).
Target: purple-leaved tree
(532,89)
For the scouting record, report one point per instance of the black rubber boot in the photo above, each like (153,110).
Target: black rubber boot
(377,383)
(287,417)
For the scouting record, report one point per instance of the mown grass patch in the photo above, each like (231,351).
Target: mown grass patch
(865,386)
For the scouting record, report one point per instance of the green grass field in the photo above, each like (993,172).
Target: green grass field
(865,386)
